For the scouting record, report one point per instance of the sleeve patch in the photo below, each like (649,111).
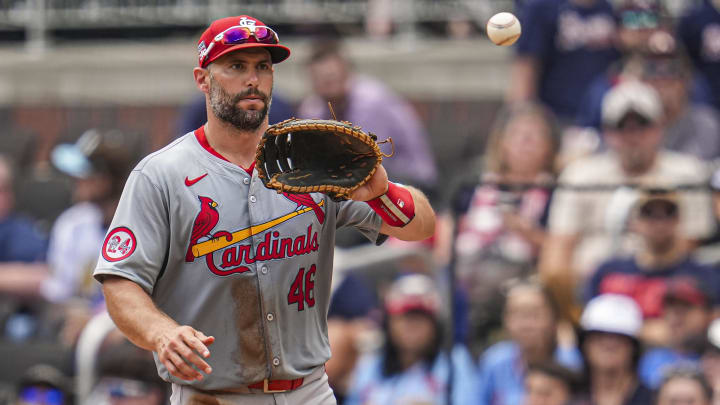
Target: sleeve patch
(119,244)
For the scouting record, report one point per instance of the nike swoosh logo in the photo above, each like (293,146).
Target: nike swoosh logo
(189,182)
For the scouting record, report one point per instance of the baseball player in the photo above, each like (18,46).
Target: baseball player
(226,281)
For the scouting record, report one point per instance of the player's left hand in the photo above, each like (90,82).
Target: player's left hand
(375,187)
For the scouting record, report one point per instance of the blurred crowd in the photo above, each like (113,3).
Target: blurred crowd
(575,261)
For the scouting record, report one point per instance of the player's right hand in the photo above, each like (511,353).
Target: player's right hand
(180,347)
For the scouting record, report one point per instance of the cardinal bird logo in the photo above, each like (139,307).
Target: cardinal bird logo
(305,200)
(204,223)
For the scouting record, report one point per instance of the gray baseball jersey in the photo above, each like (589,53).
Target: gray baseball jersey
(218,251)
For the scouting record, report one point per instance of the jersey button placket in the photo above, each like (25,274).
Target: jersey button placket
(264,270)
(246,181)
(276,361)
(270,317)
(253,199)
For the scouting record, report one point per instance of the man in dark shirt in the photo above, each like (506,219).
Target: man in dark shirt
(699,30)
(564,46)
(663,256)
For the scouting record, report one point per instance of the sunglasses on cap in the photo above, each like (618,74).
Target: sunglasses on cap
(639,19)
(236,35)
(34,395)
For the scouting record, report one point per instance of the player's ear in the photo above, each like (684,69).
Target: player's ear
(202,79)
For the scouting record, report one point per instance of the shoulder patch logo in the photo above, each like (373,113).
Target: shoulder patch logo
(119,244)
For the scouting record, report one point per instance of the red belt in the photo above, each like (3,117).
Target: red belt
(277,385)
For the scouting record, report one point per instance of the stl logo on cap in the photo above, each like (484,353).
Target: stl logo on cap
(202,49)
(230,34)
(246,22)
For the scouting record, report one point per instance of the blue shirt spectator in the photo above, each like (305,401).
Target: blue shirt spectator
(419,383)
(655,363)
(687,310)
(20,241)
(699,30)
(568,45)
(647,286)
(411,367)
(352,299)
(502,372)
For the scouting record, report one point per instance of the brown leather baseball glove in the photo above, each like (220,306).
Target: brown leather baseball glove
(317,156)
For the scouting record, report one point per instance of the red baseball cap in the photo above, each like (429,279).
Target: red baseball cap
(413,293)
(211,46)
(687,289)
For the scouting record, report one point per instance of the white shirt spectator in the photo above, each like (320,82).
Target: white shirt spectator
(593,215)
(75,242)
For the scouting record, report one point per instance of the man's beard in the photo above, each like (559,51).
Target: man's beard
(225,107)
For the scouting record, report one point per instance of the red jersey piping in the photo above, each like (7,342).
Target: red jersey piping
(200,135)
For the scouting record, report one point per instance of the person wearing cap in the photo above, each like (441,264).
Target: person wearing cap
(97,163)
(23,245)
(43,384)
(225,280)
(688,307)
(662,256)
(530,319)
(609,341)
(637,21)
(691,125)
(588,214)
(23,249)
(411,367)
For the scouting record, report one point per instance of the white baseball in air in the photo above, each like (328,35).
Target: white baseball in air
(503,29)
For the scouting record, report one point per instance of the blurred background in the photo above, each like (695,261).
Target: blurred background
(573,173)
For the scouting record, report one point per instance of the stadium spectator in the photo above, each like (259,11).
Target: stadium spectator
(589,211)
(22,245)
(366,102)
(502,224)
(530,319)
(699,30)
(564,46)
(44,385)
(127,376)
(662,256)
(99,162)
(685,386)
(610,327)
(412,367)
(549,383)
(20,240)
(710,360)
(351,319)
(22,263)
(687,312)
(638,21)
(691,125)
